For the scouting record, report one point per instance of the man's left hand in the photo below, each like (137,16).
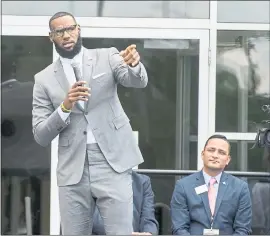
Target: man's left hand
(130,55)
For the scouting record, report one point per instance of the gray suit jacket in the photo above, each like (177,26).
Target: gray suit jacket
(191,212)
(103,112)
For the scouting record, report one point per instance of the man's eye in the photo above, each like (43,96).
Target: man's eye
(71,28)
(58,31)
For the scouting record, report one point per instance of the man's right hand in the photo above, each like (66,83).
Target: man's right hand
(77,93)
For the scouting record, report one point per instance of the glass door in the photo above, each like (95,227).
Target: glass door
(25,165)
(169,116)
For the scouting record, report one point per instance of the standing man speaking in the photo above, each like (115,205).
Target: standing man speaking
(76,98)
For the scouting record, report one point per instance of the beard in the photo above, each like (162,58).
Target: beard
(69,54)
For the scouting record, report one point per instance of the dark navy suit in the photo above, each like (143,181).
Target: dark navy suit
(191,213)
(143,208)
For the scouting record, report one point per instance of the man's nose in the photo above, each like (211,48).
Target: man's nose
(215,154)
(66,35)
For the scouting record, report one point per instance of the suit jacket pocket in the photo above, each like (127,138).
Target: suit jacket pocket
(64,142)
(120,121)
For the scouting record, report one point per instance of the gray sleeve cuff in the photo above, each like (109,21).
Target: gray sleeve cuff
(136,69)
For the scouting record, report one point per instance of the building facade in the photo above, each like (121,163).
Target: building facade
(208,67)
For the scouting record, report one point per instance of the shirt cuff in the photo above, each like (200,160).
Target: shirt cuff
(62,114)
(136,69)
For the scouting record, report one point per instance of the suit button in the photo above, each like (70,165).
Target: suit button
(86,113)
(84,132)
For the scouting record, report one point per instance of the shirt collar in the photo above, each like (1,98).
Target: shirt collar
(77,59)
(208,177)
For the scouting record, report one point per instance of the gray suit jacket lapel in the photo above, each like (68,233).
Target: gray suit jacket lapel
(62,79)
(88,62)
(60,76)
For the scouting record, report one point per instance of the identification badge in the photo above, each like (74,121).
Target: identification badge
(210,231)
(201,189)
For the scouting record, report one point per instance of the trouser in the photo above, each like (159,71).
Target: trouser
(102,187)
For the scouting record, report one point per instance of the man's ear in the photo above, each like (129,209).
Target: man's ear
(229,159)
(202,154)
(50,37)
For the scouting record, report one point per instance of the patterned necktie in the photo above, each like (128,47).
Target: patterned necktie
(212,195)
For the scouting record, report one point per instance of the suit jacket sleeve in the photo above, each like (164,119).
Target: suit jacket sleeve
(46,121)
(242,221)
(125,75)
(179,211)
(148,222)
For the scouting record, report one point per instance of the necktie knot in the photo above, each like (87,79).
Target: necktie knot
(212,181)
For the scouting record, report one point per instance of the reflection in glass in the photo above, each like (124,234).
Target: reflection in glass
(137,9)
(243,11)
(244,158)
(25,166)
(243,82)
(165,113)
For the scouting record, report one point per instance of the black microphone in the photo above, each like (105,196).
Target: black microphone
(78,74)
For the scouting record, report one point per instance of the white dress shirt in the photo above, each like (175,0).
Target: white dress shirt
(66,63)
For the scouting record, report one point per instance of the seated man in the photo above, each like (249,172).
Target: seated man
(211,201)
(144,222)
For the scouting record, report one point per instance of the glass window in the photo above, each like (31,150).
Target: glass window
(246,158)
(243,11)
(165,113)
(242,80)
(25,166)
(148,9)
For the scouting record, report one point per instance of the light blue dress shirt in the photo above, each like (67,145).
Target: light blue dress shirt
(207,180)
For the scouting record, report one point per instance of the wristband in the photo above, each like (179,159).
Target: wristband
(64,109)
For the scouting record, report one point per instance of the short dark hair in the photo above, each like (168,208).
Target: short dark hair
(60,14)
(218,136)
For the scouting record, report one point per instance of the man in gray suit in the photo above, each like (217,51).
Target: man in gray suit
(212,202)
(76,98)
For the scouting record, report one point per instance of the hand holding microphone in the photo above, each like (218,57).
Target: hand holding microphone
(78,91)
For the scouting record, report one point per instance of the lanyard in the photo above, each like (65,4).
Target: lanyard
(212,221)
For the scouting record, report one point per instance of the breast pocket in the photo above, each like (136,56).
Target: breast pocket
(101,77)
